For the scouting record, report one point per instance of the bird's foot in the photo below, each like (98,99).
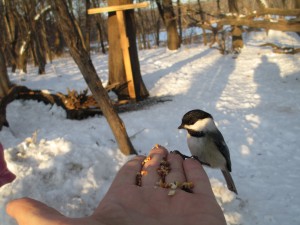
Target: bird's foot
(201,162)
(182,155)
(189,157)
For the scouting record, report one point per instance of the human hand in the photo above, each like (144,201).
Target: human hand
(127,203)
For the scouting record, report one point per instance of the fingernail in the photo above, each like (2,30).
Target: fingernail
(156,146)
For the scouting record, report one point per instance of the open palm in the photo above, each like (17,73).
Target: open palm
(127,203)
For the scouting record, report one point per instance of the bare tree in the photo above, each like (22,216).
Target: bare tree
(32,23)
(166,11)
(236,31)
(233,6)
(219,6)
(87,25)
(25,31)
(179,19)
(297,6)
(4,80)
(5,86)
(12,33)
(100,25)
(72,36)
(141,28)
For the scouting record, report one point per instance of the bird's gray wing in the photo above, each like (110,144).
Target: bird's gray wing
(222,146)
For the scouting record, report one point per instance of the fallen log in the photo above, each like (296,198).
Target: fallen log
(282,49)
(282,25)
(78,106)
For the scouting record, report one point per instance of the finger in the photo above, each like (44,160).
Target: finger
(177,171)
(195,173)
(127,174)
(29,211)
(150,176)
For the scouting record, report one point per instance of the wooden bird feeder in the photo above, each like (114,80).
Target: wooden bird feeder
(119,9)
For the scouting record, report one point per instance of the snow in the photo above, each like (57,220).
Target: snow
(255,102)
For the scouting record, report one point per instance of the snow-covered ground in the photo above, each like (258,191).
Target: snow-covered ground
(255,100)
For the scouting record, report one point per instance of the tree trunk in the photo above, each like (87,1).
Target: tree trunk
(233,6)
(116,65)
(142,28)
(236,31)
(34,29)
(87,26)
(155,22)
(81,57)
(218,6)
(38,50)
(45,42)
(297,6)
(202,16)
(237,38)
(99,23)
(101,36)
(10,19)
(58,43)
(157,32)
(179,19)
(4,80)
(261,4)
(4,90)
(169,19)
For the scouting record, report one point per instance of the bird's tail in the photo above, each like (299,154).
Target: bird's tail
(229,181)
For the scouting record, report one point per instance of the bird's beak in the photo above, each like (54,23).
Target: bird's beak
(181,126)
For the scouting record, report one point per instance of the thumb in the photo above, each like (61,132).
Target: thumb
(28,211)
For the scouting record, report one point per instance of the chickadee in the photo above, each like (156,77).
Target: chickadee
(207,144)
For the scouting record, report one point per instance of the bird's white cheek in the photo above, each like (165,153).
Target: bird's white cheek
(201,125)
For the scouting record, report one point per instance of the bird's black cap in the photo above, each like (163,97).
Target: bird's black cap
(193,116)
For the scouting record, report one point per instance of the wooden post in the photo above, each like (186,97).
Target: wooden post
(119,9)
(126,57)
